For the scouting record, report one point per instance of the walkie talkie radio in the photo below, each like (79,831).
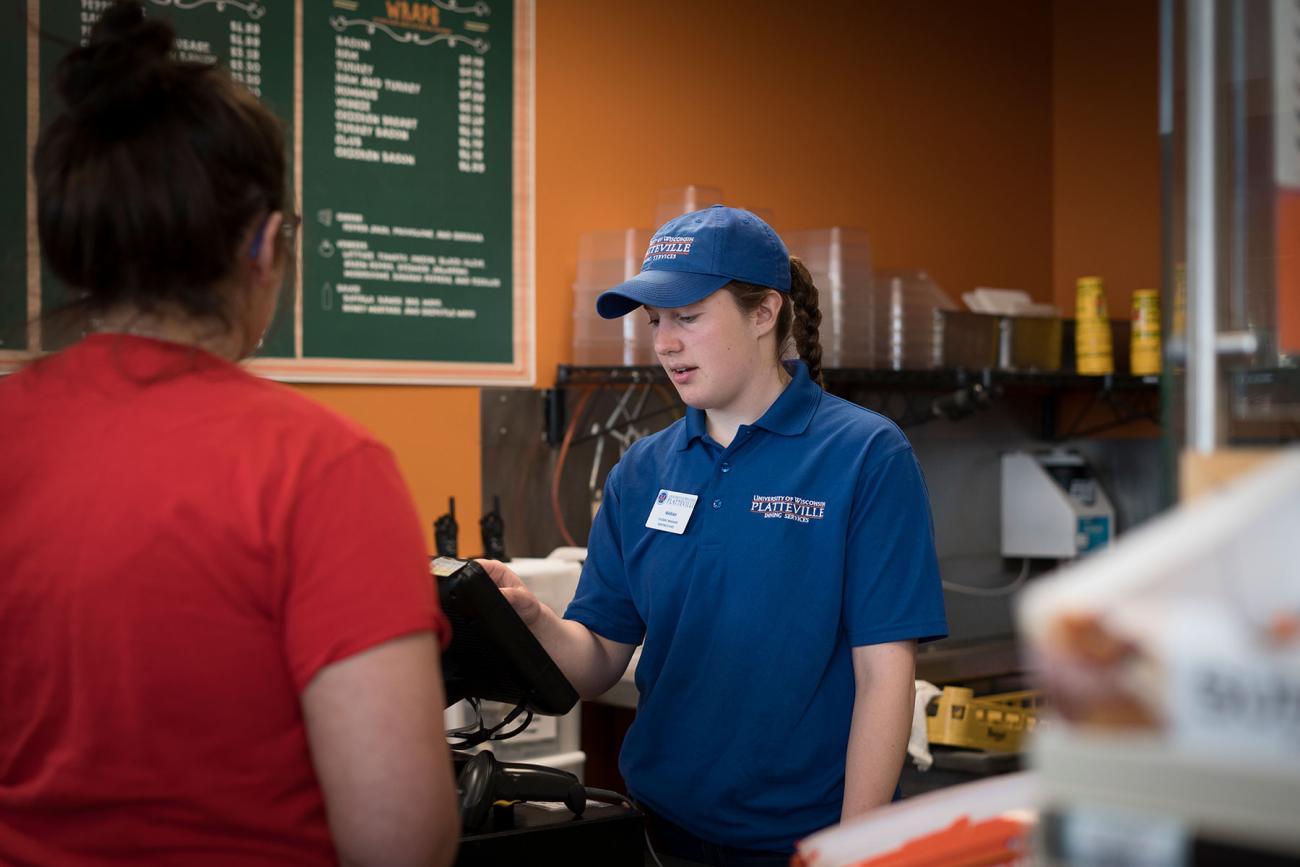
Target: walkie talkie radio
(446,531)
(493,528)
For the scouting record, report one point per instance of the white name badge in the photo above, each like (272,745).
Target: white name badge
(671,512)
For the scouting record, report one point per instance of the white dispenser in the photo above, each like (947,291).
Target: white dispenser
(1053,506)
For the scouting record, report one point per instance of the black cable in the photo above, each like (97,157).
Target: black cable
(528,720)
(473,735)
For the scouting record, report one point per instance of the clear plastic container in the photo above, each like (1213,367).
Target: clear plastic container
(831,251)
(633,328)
(675,201)
(906,321)
(595,328)
(611,352)
(599,276)
(839,261)
(584,304)
(584,299)
(607,258)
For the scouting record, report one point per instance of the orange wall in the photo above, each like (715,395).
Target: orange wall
(434,433)
(999,143)
(1105,148)
(926,123)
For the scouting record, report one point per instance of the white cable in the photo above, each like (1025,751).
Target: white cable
(649,847)
(1003,590)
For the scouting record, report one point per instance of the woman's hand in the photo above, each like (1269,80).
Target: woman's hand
(591,662)
(523,600)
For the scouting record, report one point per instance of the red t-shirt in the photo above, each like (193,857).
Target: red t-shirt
(183,546)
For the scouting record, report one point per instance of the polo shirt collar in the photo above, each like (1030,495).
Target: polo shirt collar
(789,414)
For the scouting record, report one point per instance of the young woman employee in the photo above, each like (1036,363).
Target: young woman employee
(772,552)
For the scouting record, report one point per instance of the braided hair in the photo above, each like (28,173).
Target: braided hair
(799,319)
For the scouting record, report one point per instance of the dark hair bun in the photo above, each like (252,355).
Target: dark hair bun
(116,78)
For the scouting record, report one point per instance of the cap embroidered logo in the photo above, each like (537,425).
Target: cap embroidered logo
(668,247)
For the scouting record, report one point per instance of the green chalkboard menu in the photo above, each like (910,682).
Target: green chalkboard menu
(410,129)
(254,39)
(13,188)
(407,181)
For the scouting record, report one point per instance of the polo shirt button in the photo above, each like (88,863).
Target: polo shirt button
(717,504)
(726,467)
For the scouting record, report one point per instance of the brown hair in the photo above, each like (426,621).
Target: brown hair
(799,317)
(148,180)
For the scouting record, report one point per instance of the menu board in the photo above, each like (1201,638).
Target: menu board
(254,40)
(409,128)
(13,189)
(407,241)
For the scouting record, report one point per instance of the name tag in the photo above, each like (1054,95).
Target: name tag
(671,512)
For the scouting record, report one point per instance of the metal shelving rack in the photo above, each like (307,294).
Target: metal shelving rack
(936,378)
(927,395)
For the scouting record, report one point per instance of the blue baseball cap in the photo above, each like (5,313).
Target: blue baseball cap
(695,255)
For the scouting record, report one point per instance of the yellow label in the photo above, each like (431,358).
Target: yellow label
(1144,347)
(1092,347)
(1089,299)
(1145,363)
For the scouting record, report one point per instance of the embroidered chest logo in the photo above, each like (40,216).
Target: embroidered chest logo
(789,508)
(668,247)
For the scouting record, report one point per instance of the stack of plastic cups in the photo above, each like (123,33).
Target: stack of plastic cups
(675,201)
(606,259)
(1144,348)
(839,261)
(895,322)
(1092,341)
(911,333)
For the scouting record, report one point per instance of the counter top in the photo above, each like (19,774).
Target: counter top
(939,663)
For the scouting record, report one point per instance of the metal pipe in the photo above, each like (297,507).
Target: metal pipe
(1236,343)
(1239,312)
(1202,363)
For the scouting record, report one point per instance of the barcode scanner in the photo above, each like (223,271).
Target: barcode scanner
(485,780)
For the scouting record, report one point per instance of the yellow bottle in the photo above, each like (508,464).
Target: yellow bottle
(1092,340)
(1144,348)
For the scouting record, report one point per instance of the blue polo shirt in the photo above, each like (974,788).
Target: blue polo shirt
(811,535)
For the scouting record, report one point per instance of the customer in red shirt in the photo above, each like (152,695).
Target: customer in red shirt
(219,641)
